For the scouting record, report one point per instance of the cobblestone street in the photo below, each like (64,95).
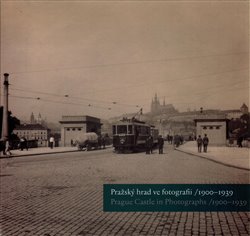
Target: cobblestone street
(61,194)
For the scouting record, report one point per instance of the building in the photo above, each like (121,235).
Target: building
(33,132)
(72,126)
(214,126)
(236,113)
(157,108)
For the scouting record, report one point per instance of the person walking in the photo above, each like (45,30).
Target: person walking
(2,147)
(103,142)
(7,147)
(205,143)
(23,143)
(51,142)
(199,143)
(151,144)
(160,144)
(147,145)
(239,141)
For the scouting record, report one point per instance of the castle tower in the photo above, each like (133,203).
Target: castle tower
(155,105)
(39,119)
(32,119)
(244,108)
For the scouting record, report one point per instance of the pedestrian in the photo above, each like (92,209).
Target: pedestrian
(205,143)
(150,144)
(51,142)
(2,146)
(239,141)
(23,143)
(177,140)
(160,144)
(103,142)
(7,147)
(171,139)
(147,145)
(199,143)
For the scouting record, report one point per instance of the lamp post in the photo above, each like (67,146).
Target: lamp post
(5,125)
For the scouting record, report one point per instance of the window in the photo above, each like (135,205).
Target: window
(217,127)
(211,127)
(79,129)
(121,129)
(204,127)
(73,129)
(68,129)
(130,129)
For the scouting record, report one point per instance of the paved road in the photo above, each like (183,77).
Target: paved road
(61,194)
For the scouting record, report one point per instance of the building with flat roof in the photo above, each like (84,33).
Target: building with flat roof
(72,126)
(215,126)
(33,132)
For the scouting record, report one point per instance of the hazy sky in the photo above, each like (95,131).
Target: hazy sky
(99,53)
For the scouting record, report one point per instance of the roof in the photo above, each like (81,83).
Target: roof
(209,120)
(79,119)
(233,110)
(30,127)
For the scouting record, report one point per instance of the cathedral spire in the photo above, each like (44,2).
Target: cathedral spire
(32,118)
(164,103)
(156,97)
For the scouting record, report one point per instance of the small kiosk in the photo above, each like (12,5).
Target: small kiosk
(214,126)
(72,126)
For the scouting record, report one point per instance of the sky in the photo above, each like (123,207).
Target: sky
(107,58)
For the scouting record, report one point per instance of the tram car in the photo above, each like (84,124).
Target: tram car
(130,135)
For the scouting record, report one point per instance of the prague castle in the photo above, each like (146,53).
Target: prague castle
(158,109)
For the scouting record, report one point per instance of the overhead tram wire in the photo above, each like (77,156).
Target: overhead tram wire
(128,63)
(134,86)
(64,103)
(73,97)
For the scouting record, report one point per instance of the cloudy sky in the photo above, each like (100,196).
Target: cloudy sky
(105,58)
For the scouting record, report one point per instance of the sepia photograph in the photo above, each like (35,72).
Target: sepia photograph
(124,118)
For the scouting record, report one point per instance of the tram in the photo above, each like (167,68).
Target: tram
(130,135)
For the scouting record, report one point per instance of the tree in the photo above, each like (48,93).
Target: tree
(12,120)
(13,123)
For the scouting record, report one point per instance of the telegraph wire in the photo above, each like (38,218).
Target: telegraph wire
(166,81)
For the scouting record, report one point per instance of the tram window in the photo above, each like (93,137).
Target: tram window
(114,129)
(130,130)
(121,129)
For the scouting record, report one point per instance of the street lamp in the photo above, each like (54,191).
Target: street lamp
(5,125)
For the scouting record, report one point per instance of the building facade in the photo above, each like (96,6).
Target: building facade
(33,132)
(73,126)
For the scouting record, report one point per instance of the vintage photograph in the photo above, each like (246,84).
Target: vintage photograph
(97,93)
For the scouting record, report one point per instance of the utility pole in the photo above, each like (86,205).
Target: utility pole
(5,125)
